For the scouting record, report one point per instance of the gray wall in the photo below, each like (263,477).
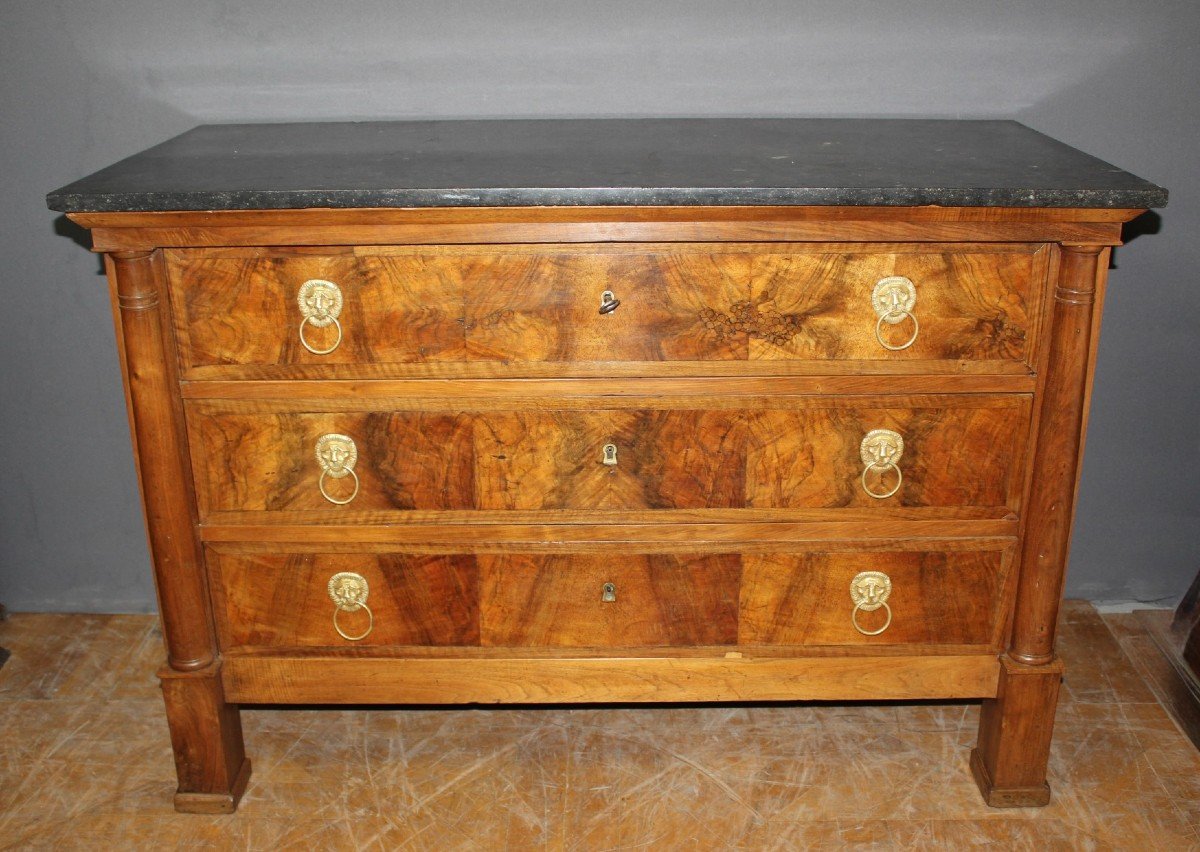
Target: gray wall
(84,83)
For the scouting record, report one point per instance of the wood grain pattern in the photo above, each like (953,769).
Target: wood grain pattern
(156,423)
(1009,761)
(432,226)
(660,600)
(540,680)
(206,737)
(517,305)
(480,382)
(281,600)
(937,598)
(961,452)
(1059,454)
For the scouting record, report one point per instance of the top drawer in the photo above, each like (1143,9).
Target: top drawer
(562,309)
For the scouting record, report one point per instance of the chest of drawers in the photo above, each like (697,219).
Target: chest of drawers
(530,412)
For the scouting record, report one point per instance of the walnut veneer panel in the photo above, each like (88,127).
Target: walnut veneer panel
(951,598)
(282,599)
(517,305)
(556,601)
(959,451)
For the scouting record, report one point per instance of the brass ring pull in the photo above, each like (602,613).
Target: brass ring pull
(336,456)
(893,299)
(608,302)
(334,500)
(884,468)
(898,317)
(349,591)
(881,450)
(869,591)
(854,618)
(304,340)
(320,304)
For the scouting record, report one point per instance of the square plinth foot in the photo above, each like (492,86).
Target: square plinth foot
(206,736)
(1012,797)
(215,803)
(1009,761)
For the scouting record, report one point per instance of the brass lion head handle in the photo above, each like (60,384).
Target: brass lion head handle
(869,591)
(320,305)
(336,456)
(349,591)
(880,452)
(894,299)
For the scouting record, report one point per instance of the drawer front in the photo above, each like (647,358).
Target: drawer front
(937,597)
(829,594)
(501,307)
(955,451)
(282,600)
(583,601)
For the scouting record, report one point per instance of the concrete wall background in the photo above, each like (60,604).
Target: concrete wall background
(85,83)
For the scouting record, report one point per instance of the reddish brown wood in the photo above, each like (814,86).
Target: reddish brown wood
(800,453)
(571,676)
(162,461)
(480,383)
(206,735)
(434,226)
(523,305)
(937,598)
(658,600)
(1009,762)
(283,600)
(1056,462)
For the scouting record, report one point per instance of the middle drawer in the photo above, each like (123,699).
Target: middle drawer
(792,453)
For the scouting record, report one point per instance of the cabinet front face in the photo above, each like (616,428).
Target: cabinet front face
(513,310)
(813,452)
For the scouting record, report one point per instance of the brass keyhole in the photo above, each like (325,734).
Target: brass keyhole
(610,454)
(609,593)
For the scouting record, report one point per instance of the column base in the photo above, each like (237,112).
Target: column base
(1008,797)
(187,802)
(1009,761)
(206,736)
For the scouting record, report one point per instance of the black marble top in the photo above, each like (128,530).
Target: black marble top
(895,162)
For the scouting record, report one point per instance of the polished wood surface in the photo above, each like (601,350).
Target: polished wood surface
(288,679)
(558,601)
(480,384)
(937,598)
(1009,761)
(540,304)
(269,599)
(502,225)
(1061,425)
(959,451)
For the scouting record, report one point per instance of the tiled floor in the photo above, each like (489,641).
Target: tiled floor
(85,763)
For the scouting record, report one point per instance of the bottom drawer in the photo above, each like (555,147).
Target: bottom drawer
(827,594)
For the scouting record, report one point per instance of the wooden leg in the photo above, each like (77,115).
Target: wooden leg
(1009,761)
(206,734)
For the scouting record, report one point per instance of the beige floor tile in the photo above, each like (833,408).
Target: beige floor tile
(86,763)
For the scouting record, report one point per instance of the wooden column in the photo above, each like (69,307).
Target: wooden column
(205,731)
(1009,761)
